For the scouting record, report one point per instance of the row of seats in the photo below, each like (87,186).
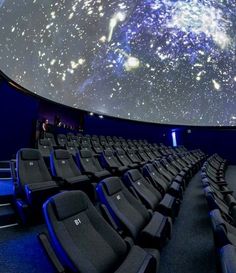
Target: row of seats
(222,211)
(96,144)
(131,219)
(35,183)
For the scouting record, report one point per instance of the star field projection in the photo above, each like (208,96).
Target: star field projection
(153,60)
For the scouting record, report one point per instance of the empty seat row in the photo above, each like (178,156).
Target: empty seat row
(222,211)
(99,143)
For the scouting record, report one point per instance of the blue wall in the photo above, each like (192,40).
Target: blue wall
(19,112)
(212,140)
(17,117)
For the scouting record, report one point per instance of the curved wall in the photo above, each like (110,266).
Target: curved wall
(169,62)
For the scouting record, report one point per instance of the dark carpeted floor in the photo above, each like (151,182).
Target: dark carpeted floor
(191,248)
(21,252)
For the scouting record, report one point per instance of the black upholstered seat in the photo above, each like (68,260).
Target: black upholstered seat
(110,162)
(34,183)
(147,229)
(150,196)
(90,165)
(71,147)
(45,147)
(85,243)
(50,137)
(161,183)
(65,169)
(62,140)
(228,258)
(124,159)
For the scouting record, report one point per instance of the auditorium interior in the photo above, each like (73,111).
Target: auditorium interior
(117,143)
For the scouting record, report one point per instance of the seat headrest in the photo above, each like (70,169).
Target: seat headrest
(67,204)
(44,142)
(62,154)
(30,154)
(134,175)
(108,152)
(112,185)
(84,153)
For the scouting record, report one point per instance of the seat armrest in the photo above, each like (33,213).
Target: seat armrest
(150,212)
(129,242)
(43,238)
(59,180)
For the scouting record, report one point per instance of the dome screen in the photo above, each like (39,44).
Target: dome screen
(160,61)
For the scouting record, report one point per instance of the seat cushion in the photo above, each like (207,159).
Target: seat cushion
(139,261)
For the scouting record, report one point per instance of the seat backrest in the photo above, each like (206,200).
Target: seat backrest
(147,193)
(97,148)
(61,139)
(110,159)
(143,155)
(63,164)
(71,148)
(163,170)
(70,135)
(121,155)
(45,147)
(81,237)
(31,167)
(127,211)
(155,176)
(50,137)
(133,156)
(88,162)
(74,139)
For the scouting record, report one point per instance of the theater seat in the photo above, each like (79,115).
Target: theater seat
(161,183)
(110,162)
(124,159)
(63,168)
(146,228)
(34,183)
(150,196)
(90,165)
(71,148)
(224,232)
(45,147)
(85,243)
(228,259)
(50,137)
(62,140)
